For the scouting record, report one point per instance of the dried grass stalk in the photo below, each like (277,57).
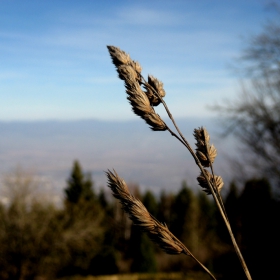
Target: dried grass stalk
(130,72)
(142,105)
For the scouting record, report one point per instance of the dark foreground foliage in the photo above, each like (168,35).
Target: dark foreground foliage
(90,235)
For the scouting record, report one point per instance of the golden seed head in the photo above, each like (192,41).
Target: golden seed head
(199,137)
(127,73)
(130,71)
(215,180)
(118,56)
(219,182)
(136,66)
(204,151)
(140,216)
(212,153)
(154,85)
(155,121)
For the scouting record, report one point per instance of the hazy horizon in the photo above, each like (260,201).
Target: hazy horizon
(153,160)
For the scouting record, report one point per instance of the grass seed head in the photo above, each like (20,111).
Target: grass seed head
(215,180)
(118,56)
(154,85)
(204,151)
(130,72)
(140,216)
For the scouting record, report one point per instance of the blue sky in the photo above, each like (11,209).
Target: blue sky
(54,63)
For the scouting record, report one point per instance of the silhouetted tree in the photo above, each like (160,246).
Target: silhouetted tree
(254,215)
(164,213)
(102,199)
(232,206)
(38,239)
(150,203)
(183,222)
(141,248)
(142,252)
(256,211)
(79,186)
(105,262)
(82,207)
(255,116)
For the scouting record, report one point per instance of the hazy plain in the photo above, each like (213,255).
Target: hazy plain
(154,160)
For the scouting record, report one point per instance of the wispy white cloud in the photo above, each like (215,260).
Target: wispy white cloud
(151,17)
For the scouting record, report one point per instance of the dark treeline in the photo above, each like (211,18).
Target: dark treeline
(91,235)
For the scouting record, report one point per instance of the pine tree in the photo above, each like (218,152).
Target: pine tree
(79,187)
(83,212)
(257,225)
(182,220)
(143,252)
(150,203)
(164,213)
(233,211)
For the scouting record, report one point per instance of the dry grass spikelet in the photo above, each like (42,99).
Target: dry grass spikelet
(141,106)
(130,71)
(127,73)
(154,85)
(204,151)
(118,56)
(139,102)
(124,64)
(215,180)
(140,216)
(137,68)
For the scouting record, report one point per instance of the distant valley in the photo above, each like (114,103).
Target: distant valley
(154,160)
